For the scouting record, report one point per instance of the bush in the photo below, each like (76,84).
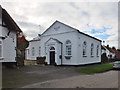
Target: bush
(45,63)
(55,64)
(104,58)
(41,60)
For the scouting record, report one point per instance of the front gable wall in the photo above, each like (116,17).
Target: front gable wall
(57,28)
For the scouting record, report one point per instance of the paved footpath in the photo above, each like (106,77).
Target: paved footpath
(102,80)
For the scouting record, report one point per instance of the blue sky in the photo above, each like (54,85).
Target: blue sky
(98,19)
(100,32)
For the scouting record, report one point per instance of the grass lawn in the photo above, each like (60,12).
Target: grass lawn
(96,69)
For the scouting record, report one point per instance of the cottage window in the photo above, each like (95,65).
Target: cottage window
(0,48)
(39,51)
(97,50)
(92,47)
(68,48)
(84,48)
(33,51)
(28,51)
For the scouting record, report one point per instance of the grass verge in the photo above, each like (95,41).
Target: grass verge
(96,69)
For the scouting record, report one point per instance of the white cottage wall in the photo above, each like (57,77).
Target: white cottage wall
(103,51)
(9,46)
(36,45)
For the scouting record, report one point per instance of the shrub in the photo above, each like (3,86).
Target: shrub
(41,60)
(45,63)
(55,64)
(104,58)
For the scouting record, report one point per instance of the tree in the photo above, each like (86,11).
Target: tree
(22,43)
(104,58)
(113,47)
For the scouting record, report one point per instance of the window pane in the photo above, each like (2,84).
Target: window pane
(28,51)
(0,50)
(33,51)
(83,51)
(97,50)
(84,48)
(68,50)
(39,50)
(68,42)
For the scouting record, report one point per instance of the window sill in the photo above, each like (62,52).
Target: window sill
(68,57)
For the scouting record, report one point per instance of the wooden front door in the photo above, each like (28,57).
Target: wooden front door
(52,57)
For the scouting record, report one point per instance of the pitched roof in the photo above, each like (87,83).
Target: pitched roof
(34,40)
(110,49)
(54,39)
(103,47)
(73,29)
(9,22)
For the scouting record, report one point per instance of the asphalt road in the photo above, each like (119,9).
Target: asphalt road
(102,80)
(17,78)
(36,76)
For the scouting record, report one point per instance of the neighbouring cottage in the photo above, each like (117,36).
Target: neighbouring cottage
(8,37)
(64,45)
(110,53)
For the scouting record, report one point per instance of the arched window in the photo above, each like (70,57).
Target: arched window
(97,50)
(52,49)
(84,48)
(92,47)
(68,48)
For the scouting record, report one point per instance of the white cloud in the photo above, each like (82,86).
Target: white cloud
(76,14)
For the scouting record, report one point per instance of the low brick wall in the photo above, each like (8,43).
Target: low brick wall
(30,62)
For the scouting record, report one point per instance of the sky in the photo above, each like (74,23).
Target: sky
(98,19)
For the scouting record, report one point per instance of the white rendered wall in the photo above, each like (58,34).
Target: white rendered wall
(36,45)
(88,59)
(63,38)
(103,51)
(8,46)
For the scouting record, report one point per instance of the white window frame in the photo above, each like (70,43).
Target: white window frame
(1,56)
(33,51)
(39,52)
(68,47)
(84,48)
(28,51)
(92,50)
(97,53)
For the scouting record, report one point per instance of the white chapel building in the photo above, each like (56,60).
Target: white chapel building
(64,45)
